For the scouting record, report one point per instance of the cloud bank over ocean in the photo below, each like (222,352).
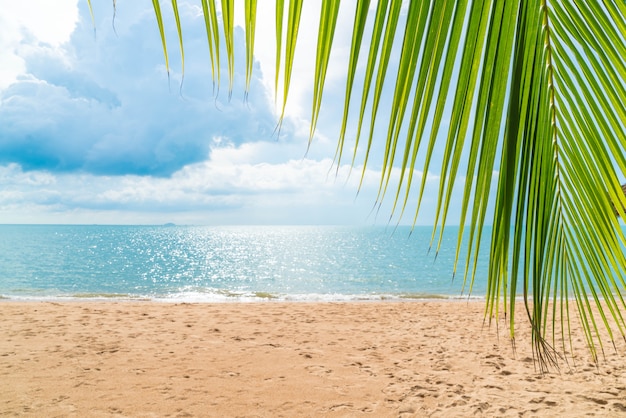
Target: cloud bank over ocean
(104,105)
(93,129)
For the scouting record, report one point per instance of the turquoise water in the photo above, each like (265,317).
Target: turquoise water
(197,263)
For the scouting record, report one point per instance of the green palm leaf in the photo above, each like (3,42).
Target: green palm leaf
(159,19)
(213,37)
(326,33)
(250,7)
(228,25)
(535,92)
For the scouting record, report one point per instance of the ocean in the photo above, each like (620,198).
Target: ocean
(230,263)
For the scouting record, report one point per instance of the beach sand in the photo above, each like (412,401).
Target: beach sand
(380,359)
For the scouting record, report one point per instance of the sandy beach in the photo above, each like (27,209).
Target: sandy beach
(146,359)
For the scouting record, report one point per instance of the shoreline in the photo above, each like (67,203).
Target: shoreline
(386,358)
(261,298)
(243,300)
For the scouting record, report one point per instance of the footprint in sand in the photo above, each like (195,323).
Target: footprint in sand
(619,407)
(340,407)
(318,370)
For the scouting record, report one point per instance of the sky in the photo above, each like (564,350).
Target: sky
(93,130)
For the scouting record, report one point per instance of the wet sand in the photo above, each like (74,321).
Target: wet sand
(382,359)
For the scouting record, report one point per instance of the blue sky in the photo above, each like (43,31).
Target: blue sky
(92,130)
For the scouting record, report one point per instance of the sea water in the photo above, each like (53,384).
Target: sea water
(231,263)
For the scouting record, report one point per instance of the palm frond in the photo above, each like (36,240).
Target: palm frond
(180,39)
(159,18)
(535,92)
(326,33)
(228,25)
(250,7)
(213,38)
(293,25)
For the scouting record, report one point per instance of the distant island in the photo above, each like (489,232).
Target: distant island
(169,224)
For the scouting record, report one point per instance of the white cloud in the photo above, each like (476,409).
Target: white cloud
(234,186)
(34,23)
(103,105)
(91,133)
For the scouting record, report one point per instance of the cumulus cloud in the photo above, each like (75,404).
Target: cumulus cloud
(105,105)
(41,23)
(93,129)
(234,186)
